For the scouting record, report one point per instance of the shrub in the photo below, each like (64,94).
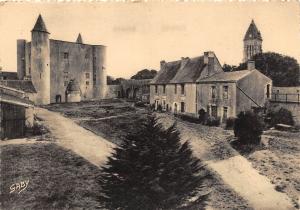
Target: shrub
(248,128)
(212,121)
(152,170)
(230,123)
(281,116)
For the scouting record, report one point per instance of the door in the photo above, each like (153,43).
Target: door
(214,111)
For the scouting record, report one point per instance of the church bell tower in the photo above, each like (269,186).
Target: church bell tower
(252,42)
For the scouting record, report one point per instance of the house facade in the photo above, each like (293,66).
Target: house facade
(226,94)
(199,85)
(175,86)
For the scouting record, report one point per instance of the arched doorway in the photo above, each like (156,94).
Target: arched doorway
(135,93)
(127,92)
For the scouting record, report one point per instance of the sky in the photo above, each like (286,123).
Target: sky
(139,35)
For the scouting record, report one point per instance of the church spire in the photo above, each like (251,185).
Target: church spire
(252,32)
(40,25)
(79,39)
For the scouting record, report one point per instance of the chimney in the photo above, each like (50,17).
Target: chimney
(162,63)
(209,60)
(251,65)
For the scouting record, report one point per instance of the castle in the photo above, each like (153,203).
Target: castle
(252,42)
(61,71)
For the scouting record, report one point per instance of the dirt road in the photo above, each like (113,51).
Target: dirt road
(71,136)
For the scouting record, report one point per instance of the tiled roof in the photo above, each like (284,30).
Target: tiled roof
(252,32)
(8,75)
(191,71)
(6,98)
(167,72)
(226,76)
(24,85)
(40,25)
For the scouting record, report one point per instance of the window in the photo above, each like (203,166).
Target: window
(182,107)
(182,89)
(66,55)
(213,92)
(87,83)
(225,113)
(175,90)
(87,75)
(155,88)
(225,92)
(87,55)
(268,91)
(164,104)
(164,89)
(66,83)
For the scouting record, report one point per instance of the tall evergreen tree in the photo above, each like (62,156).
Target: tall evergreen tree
(152,170)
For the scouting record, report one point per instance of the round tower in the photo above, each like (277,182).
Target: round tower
(99,71)
(40,61)
(252,42)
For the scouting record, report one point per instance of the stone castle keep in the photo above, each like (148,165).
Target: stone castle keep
(61,71)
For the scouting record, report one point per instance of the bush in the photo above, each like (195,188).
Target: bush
(140,104)
(152,170)
(189,118)
(212,121)
(230,123)
(248,128)
(281,116)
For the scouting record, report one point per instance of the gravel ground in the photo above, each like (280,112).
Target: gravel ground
(280,162)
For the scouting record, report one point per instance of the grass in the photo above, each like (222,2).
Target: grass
(114,129)
(58,179)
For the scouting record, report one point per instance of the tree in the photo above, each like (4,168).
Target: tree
(228,68)
(152,170)
(248,128)
(112,81)
(145,74)
(283,70)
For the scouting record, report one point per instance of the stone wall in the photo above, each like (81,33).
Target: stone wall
(293,107)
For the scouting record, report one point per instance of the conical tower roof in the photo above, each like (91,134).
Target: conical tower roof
(40,25)
(252,32)
(79,39)
(73,86)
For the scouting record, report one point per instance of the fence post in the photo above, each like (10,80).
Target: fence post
(298,98)
(286,97)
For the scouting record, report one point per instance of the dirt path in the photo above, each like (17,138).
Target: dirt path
(210,145)
(71,136)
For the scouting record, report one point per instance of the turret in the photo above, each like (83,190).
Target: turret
(99,71)
(252,42)
(40,61)
(79,39)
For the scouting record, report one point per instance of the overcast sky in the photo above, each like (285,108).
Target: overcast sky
(139,35)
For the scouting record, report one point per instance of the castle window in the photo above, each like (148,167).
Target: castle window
(87,83)
(155,88)
(66,55)
(87,75)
